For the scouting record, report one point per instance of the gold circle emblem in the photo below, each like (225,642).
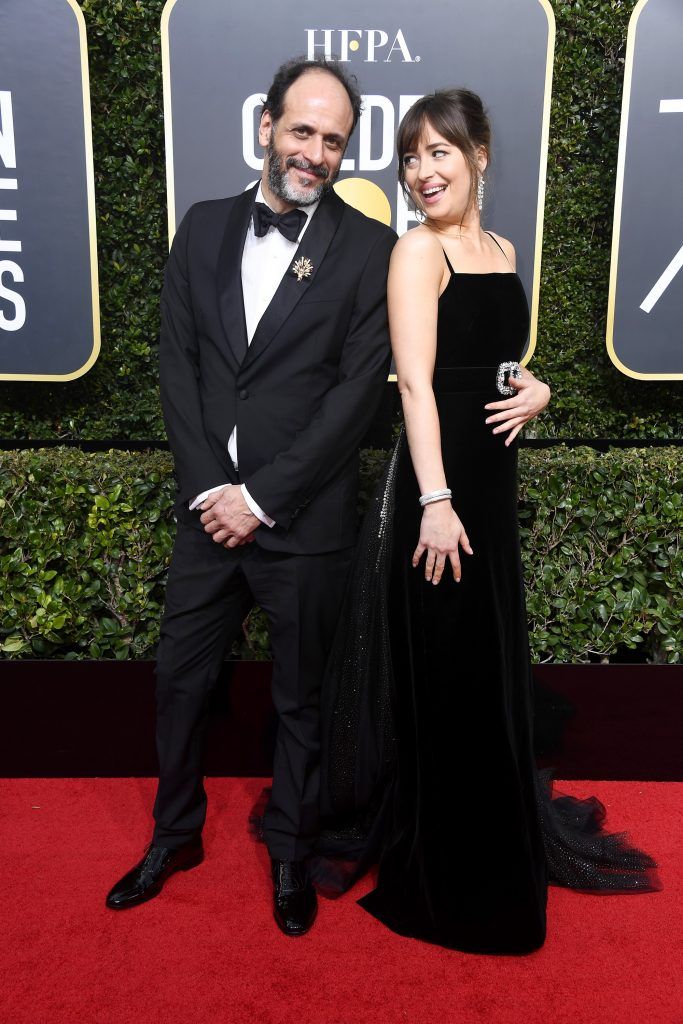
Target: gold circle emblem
(365,196)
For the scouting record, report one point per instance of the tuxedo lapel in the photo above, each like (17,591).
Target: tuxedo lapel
(229,274)
(293,287)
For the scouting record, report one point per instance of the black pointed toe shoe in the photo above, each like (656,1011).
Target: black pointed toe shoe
(147,878)
(294,900)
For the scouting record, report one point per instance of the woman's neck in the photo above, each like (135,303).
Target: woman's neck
(468,229)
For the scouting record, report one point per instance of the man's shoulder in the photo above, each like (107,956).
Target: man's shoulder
(210,209)
(367,228)
(207,219)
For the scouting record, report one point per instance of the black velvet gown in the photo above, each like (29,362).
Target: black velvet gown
(427,713)
(466,866)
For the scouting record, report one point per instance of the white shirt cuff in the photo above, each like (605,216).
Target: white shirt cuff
(205,494)
(257,511)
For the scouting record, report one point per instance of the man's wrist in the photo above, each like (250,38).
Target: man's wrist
(255,509)
(205,494)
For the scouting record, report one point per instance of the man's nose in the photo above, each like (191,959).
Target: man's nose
(314,149)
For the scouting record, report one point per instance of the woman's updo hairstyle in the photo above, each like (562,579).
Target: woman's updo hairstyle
(458,116)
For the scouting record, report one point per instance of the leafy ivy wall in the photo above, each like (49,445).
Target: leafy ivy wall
(86,540)
(119,397)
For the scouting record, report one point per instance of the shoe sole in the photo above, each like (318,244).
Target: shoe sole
(154,890)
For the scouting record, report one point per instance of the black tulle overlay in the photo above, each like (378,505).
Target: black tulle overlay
(357,714)
(584,857)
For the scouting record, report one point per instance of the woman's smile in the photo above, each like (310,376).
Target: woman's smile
(432,193)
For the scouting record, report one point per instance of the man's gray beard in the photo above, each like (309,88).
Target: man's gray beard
(281,186)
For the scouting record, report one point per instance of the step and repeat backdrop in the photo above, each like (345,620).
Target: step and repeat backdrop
(49,307)
(218,60)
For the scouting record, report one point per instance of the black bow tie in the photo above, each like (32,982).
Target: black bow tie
(288,224)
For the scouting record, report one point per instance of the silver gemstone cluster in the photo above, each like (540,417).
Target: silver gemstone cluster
(513,370)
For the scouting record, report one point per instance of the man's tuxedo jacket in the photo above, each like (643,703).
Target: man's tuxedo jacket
(305,390)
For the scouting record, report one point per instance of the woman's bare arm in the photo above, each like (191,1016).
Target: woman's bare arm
(416,276)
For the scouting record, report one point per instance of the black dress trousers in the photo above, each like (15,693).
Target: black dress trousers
(210,591)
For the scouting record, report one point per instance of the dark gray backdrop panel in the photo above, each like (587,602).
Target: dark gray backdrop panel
(650,232)
(219,54)
(40,65)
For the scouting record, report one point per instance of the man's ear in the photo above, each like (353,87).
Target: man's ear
(265,128)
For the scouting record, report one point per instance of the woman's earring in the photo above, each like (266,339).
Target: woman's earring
(420,215)
(480,192)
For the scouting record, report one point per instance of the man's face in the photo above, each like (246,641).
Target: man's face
(304,149)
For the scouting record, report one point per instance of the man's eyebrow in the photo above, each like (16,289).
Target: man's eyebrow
(301,126)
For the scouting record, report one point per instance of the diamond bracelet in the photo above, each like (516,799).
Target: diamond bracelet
(431,496)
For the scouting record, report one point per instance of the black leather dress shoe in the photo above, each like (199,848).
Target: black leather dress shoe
(294,900)
(147,878)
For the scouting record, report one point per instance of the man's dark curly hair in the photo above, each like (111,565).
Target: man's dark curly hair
(288,73)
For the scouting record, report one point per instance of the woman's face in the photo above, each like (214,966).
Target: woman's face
(438,176)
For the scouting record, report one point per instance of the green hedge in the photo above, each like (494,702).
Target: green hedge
(603,555)
(119,397)
(86,541)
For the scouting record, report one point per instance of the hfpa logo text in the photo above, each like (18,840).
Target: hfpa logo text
(374,44)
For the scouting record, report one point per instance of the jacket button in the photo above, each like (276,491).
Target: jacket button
(244,394)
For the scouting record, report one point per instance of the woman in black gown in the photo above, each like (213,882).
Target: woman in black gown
(431,677)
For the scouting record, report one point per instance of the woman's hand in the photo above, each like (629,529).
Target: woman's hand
(531,398)
(441,533)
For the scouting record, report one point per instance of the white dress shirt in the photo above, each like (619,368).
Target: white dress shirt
(265,261)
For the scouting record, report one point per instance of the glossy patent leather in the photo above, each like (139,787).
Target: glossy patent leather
(295,903)
(146,880)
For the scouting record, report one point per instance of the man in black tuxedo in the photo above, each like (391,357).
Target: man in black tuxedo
(274,350)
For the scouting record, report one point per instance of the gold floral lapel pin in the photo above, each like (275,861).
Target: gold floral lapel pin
(302,268)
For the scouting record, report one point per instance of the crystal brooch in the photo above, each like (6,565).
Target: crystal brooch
(512,369)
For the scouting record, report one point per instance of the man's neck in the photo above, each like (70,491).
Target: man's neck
(275,202)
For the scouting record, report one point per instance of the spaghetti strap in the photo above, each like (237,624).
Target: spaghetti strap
(501,249)
(448,262)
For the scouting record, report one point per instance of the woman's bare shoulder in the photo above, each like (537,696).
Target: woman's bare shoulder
(419,244)
(506,245)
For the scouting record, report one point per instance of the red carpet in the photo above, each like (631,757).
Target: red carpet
(207,950)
